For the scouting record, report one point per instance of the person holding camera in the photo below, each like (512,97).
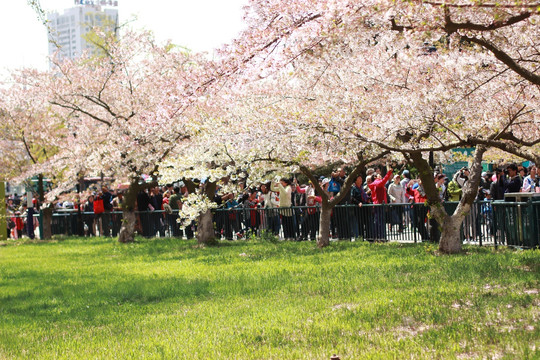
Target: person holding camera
(455,187)
(496,189)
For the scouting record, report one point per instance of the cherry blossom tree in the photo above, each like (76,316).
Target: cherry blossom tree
(478,90)
(24,125)
(24,132)
(124,111)
(274,127)
(350,73)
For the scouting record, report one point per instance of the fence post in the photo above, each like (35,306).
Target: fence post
(531,222)
(479,221)
(414,225)
(41,224)
(3,212)
(495,228)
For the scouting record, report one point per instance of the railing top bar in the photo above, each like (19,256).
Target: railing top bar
(67,212)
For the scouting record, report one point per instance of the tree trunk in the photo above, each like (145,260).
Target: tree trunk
(127,231)
(324,227)
(129,220)
(205,228)
(450,236)
(46,218)
(327,204)
(41,189)
(450,242)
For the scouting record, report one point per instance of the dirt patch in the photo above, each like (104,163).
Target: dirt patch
(404,332)
(345,306)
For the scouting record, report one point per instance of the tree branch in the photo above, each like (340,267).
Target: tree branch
(28,149)
(505,59)
(78,109)
(451,27)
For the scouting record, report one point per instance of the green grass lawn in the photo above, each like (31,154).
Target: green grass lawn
(167,298)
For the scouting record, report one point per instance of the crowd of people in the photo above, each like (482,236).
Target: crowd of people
(285,206)
(20,216)
(294,208)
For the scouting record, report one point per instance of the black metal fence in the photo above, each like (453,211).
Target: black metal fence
(488,223)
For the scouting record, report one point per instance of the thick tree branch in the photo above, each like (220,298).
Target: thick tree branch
(451,27)
(509,148)
(505,59)
(496,5)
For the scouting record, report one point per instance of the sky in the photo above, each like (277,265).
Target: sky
(200,25)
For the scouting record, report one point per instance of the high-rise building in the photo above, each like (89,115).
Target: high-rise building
(70,32)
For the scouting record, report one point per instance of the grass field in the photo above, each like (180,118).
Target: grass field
(169,299)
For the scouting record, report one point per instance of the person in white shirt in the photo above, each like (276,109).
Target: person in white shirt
(285,194)
(530,183)
(396,194)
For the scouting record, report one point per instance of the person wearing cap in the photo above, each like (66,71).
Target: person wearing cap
(324,186)
(406,178)
(415,191)
(342,218)
(483,186)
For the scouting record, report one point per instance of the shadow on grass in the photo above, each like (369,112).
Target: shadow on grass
(56,298)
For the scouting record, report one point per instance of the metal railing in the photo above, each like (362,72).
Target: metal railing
(488,223)
(387,222)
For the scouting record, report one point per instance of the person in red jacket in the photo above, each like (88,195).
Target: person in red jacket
(419,210)
(378,195)
(377,185)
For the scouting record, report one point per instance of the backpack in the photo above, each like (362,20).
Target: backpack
(98,206)
(333,186)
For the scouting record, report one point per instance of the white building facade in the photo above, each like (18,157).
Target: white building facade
(69,32)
